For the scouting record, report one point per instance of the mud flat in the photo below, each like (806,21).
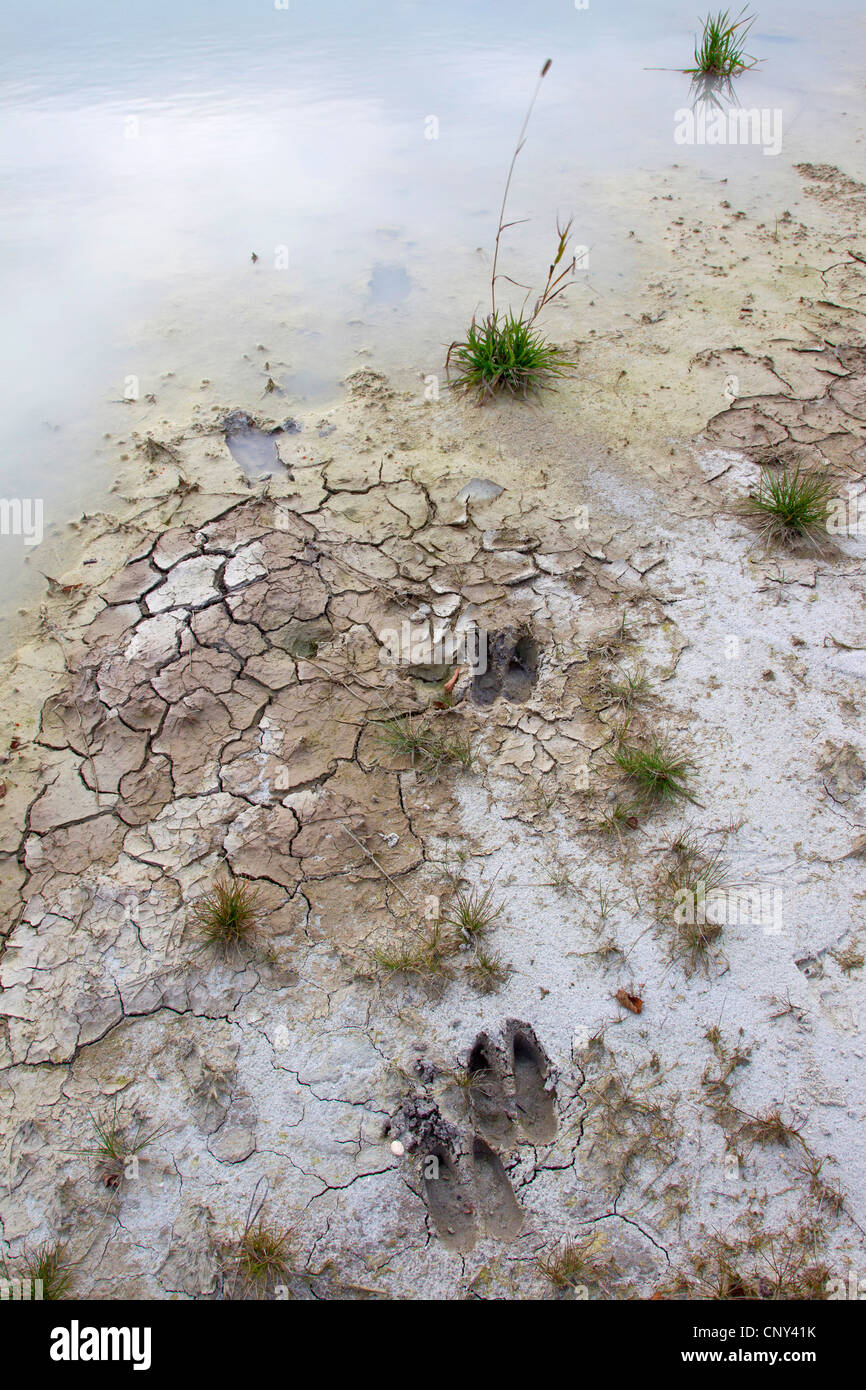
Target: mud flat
(426,1098)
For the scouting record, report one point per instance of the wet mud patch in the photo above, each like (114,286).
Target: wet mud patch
(511,659)
(254,449)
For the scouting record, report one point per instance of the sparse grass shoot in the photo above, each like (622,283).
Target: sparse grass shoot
(626,692)
(427,955)
(413,736)
(48,1263)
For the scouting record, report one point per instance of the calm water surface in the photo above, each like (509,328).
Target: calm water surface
(358,149)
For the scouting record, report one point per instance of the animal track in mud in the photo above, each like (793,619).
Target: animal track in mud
(447,1199)
(509,1083)
(253,449)
(513,1086)
(511,667)
(492,1113)
(499,1210)
(531,1069)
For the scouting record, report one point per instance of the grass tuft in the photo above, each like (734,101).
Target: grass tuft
(228,915)
(687,894)
(472,912)
(572,1263)
(768,1128)
(114,1148)
(505,354)
(48,1263)
(413,736)
(720,52)
(487,970)
(790,507)
(657,771)
(262,1254)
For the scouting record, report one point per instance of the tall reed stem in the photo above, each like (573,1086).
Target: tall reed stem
(520,142)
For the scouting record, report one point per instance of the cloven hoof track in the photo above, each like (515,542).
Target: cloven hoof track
(499,1210)
(510,1086)
(530,1067)
(512,668)
(468,1199)
(448,1201)
(492,1111)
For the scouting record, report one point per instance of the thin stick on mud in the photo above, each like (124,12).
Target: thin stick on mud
(375,861)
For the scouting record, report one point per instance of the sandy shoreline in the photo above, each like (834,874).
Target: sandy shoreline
(207,693)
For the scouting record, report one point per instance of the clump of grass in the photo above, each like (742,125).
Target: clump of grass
(827,1193)
(720,52)
(472,912)
(719,1085)
(262,1254)
(115,1150)
(228,914)
(695,945)
(413,736)
(487,970)
(506,352)
(607,646)
(627,692)
(427,955)
(786,1007)
(49,1265)
(686,896)
(790,507)
(657,771)
(848,958)
(573,1263)
(770,1127)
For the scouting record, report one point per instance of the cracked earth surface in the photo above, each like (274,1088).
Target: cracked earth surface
(215,704)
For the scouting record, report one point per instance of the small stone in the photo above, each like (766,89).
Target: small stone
(480,490)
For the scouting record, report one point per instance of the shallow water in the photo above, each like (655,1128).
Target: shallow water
(358,152)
